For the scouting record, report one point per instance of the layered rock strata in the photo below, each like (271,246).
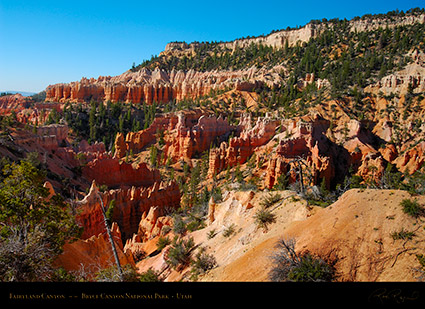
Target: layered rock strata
(238,149)
(136,141)
(186,135)
(411,78)
(279,39)
(153,86)
(130,206)
(49,137)
(305,145)
(113,173)
(161,86)
(15,102)
(87,257)
(191,140)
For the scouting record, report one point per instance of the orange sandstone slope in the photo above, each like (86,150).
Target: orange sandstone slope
(355,233)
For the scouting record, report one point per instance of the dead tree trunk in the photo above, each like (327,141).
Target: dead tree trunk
(299,162)
(111,240)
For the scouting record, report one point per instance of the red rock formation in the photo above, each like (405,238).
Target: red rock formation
(49,187)
(78,156)
(38,113)
(158,85)
(186,134)
(389,153)
(411,160)
(152,223)
(77,92)
(358,142)
(93,254)
(49,137)
(113,173)
(58,130)
(26,111)
(130,205)
(318,166)
(136,141)
(189,140)
(240,148)
(372,167)
(14,102)
(307,143)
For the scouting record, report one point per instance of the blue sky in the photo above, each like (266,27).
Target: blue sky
(47,42)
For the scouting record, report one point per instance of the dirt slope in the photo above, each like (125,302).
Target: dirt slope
(356,232)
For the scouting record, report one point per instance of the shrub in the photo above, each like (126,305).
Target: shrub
(290,266)
(281,182)
(165,229)
(162,243)
(311,269)
(111,274)
(403,234)
(82,158)
(25,256)
(217,195)
(421,260)
(263,217)
(179,227)
(150,276)
(139,255)
(203,262)
(229,230)
(195,224)
(412,208)
(238,174)
(103,188)
(33,229)
(110,212)
(270,200)
(211,234)
(179,254)
(421,269)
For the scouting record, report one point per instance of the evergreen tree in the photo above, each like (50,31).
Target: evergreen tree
(92,121)
(33,229)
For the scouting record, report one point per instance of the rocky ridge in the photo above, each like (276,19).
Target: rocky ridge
(412,76)
(130,205)
(278,39)
(158,85)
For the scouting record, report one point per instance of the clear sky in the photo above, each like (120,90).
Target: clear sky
(46,42)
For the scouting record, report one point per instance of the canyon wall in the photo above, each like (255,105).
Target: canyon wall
(186,134)
(411,78)
(238,149)
(136,141)
(130,206)
(15,102)
(278,39)
(305,147)
(113,173)
(48,137)
(88,257)
(149,86)
(191,140)
(161,86)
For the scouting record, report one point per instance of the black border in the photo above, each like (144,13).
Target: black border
(209,293)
